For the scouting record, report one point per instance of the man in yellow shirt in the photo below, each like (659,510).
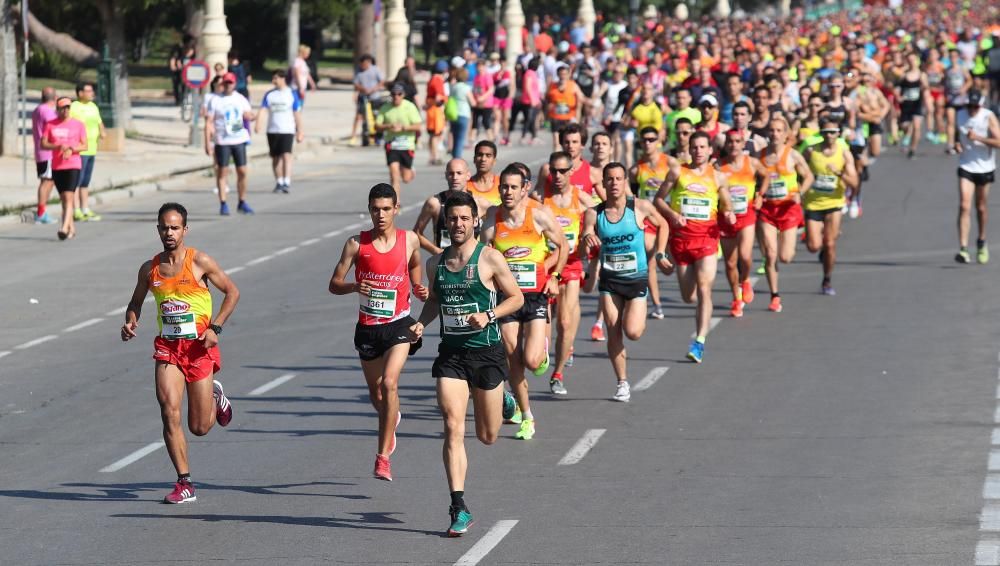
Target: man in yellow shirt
(647,113)
(84,110)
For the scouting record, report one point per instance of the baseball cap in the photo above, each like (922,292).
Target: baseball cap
(494,56)
(708,99)
(441,66)
(457,62)
(397,88)
(975,97)
(63,103)
(229,78)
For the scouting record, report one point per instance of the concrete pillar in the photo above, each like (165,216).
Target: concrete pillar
(722,9)
(292,41)
(681,12)
(397,34)
(215,39)
(587,17)
(513,20)
(786,8)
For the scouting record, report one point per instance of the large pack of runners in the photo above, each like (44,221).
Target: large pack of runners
(707,140)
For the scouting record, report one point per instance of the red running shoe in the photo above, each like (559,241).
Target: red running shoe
(223,408)
(747,292)
(392,441)
(775,305)
(383,470)
(597,332)
(736,309)
(183,493)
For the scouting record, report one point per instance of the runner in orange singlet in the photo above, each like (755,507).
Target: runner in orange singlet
(186,350)
(563,101)
(572,140)
(485,184)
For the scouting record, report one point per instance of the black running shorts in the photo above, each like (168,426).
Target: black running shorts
(484,368)
(373,341)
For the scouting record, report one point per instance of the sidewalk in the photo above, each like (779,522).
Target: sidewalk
(157,150)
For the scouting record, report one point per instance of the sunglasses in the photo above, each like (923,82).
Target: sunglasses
(828,132)
(563,171)
(836,86)
(650,140)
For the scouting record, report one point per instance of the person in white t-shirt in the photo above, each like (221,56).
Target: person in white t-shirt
(301,78)
(977,136)
(283,109)
(226,137)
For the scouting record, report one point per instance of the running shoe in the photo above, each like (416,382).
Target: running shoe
(44,219)
(90,216)
(544,367)
(556,386)
(461,520)
(696,352)
(183,493)
(509,406)
(910,154)
(279,188)
(931,137)
(747,292)
(244,208)
(223,408)
(597,332)
(827,290)
(622,392)
(514,418)
(761,270)
(78,215)
(224,209)
(383,469)
(983,255)
(392,441)
(656,313)
(527,430)
(963,257)
(775,305)
(905,142)
(854,210)
(736,309)
(942,138)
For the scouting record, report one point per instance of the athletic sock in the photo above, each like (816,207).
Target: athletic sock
(41,210)
(700,339)
(963,248)
(773,295)
(599,323)
(456,499)
(980,243)
(184,478)
(526,415)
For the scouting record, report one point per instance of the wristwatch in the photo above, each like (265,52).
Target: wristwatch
(557,275)
(216,329)
(491,316)
(660,255)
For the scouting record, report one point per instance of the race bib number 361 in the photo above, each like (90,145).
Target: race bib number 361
(380,303)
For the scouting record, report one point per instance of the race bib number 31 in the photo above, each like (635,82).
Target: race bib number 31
(455,318)
(178,326)
(379,303)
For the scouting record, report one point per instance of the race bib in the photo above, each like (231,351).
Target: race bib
(562,109)
(380,303)
(525,274)
(234,121)
(571,240)
(455,318)
(739,200)
(621,264)
(825,183)
(696,208)
(911,94)
(650,188)
(777,189)
(178,326)
(401,143)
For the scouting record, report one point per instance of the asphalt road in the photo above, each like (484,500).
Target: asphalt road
(853,429)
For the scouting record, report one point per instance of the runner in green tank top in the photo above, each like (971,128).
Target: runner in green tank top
(466,277)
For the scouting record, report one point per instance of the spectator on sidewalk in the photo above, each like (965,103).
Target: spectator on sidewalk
(482,113)
(368,81)
(180,55)
(226,139)
(44,113)
(400,122)
(437,94)
(283,109)
(405,78)
(461,94)
(243,78)
(301,76)
(86,111)
(66,137)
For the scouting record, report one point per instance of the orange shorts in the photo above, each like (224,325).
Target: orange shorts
(686,251)
(742,221)
(194,360)
(783,215)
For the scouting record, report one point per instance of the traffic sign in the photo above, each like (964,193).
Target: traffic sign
(195,74)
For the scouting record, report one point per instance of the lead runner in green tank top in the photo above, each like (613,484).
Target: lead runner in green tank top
(465,280)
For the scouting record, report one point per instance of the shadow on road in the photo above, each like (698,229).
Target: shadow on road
(134,491)
(367,521)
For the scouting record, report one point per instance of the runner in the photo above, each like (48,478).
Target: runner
(518,229)
(911,92)
(465,280)
(697,193)
(187,349)
(399,121)
(563,101)
(226,137)
(834,171)
(283,109)
(781,213)
(66,137)
(84,110)
(601,151)
(44,113)
(386,263)
(456,173)
(572,140)
(957,83)
(743,175)
(977,137)
(485,184)
(614,232)
(568,203)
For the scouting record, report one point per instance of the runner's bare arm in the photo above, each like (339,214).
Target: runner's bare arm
(802,169)
(647,211)
(430,211)
(503,281)
(431,306)
(488,226)
(849,175)
(550,228)
(993,131)
(347,258)
(217,277)
(660,200)
(134,309)
(261,115)
(597,181)
(416,275)
(725,198)
(588,236)
(538,191)
(209,132)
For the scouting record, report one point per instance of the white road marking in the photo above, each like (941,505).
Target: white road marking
(83,324)
(236,269)
(991,487)
(5,353)
(988,553)
(582,446)
(309,242)
(652,377)
(117,311)
(994,461)
(487,543)
(133,457)
(259,260)
(272,384)
(989,519)
(35,342)
(287,250)
(995,440)
(998,391)
(996,415)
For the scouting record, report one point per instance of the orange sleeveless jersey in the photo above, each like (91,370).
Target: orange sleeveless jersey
(184,307)
(492,194)
(524,248)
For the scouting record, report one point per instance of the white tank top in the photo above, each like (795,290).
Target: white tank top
(976,157)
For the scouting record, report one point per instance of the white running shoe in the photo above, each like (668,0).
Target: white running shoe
(622,393)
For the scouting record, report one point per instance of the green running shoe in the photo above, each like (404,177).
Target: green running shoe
(527,430)
(761,270)
(963,257)
(78,215)
(509,406)
(540,370)
(983,255)
(461,520)
(515,418)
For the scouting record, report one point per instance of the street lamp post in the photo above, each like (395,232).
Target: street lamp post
(513,20)
(397,33)
(587,17)
(215,39)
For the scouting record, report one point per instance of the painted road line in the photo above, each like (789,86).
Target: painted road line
(994,461)
(652,377)
(272,384)
(309,242)
(117,311)
(133,457)
(236,269)
(83,324)
(260,260)
(487,543)
(582,446)
(287,250)
(991,487)
(711,326)
(5,353)
(995,440)
(35,342)
(996,415)
(989,519)
(988,553)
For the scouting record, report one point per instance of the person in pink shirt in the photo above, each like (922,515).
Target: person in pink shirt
(40,117)
(482,113)
(531,98)
(66,138)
